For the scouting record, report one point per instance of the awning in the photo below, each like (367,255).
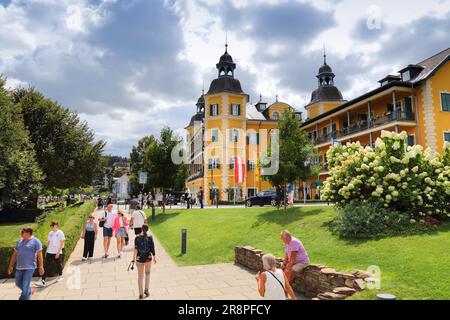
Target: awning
(316,184)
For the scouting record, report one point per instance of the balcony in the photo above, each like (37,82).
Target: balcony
(196,175)
(363,125)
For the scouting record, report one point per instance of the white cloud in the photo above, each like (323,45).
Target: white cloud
(131,67)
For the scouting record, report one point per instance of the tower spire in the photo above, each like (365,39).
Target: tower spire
(324,55)
(226,41)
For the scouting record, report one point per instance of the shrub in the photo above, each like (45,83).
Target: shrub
(70,220)
(405,179)
(364,219)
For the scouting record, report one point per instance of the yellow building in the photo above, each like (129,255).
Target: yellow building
(225,125)
(417,101)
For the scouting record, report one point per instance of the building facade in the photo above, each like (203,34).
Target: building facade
(417,101)
(227,125)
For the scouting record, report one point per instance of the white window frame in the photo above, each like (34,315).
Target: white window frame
(214,162)
(443,135)
(235,107)
(442,102)
(277,117)
(212,135)
(234,135)
(255,136)
(251,167)
(215,110)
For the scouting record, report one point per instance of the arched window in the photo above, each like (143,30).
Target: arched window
(275,116)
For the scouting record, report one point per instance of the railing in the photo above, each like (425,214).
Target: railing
(363,125)
(196,175)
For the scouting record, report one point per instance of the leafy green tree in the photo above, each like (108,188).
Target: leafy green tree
(157,161)
(137,163)
(64,145)
(296,156)
(20,175)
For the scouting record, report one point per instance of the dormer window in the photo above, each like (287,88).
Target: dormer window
(275,116)
(406,76)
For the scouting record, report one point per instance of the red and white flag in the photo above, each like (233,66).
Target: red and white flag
(239,170)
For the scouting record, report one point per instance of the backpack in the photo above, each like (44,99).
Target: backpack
(143,249)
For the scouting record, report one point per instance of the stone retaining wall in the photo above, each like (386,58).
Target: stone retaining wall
(316,282)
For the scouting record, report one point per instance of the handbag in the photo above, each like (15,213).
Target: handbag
(281,284)
(101,224)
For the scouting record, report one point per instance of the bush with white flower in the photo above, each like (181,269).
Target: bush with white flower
(400,177)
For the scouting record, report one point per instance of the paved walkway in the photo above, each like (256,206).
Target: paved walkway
(109,279)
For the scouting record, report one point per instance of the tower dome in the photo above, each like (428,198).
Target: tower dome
(326,90)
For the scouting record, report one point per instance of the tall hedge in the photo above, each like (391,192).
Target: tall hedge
(70,220)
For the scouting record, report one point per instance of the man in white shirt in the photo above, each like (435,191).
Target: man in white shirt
(138,219)
(108,217)
(54,254)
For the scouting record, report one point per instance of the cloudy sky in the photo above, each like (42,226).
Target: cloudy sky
(129,67)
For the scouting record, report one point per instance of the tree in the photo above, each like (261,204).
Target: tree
(157,161)
(137,162)
(295,156)
(64,145)
(20,175)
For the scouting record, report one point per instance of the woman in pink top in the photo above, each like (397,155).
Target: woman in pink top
(120,230)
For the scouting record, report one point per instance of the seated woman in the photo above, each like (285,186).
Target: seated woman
(273,283)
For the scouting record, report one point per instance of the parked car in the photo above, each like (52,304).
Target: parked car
(121,202)
(174,198)
(264,198)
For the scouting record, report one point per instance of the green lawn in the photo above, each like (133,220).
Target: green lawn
(10,233)
(412,267)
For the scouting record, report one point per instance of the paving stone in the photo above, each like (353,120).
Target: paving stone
(109,279)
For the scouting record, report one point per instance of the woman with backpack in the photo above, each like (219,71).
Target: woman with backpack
(144,254)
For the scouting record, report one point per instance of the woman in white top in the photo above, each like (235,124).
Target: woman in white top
(272,283)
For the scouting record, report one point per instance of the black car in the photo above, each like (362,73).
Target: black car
(174,198)
(266,197)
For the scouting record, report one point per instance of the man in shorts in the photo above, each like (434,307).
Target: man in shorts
(295,258)
(138,219)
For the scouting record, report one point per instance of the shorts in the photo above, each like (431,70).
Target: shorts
(137,231)
(107,232)
(121,233)
(299,267)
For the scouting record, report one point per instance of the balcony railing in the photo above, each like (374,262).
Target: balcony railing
(363,125)
(196,175)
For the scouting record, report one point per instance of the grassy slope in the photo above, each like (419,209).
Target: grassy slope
(10,233)
(412,267)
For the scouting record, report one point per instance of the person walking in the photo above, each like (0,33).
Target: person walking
(188,197)
(27,249)
(54,254)
(89,234)
(200,197)
(138,219)
(132,204)
(272,282)
(144,254)
(120,226)
(107,220)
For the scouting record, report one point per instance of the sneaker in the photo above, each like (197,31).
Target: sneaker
(61,278)
(118,256)
(40,283)
(146,293)
(83,259)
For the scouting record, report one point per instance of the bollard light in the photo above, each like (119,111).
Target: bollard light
(183,240)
